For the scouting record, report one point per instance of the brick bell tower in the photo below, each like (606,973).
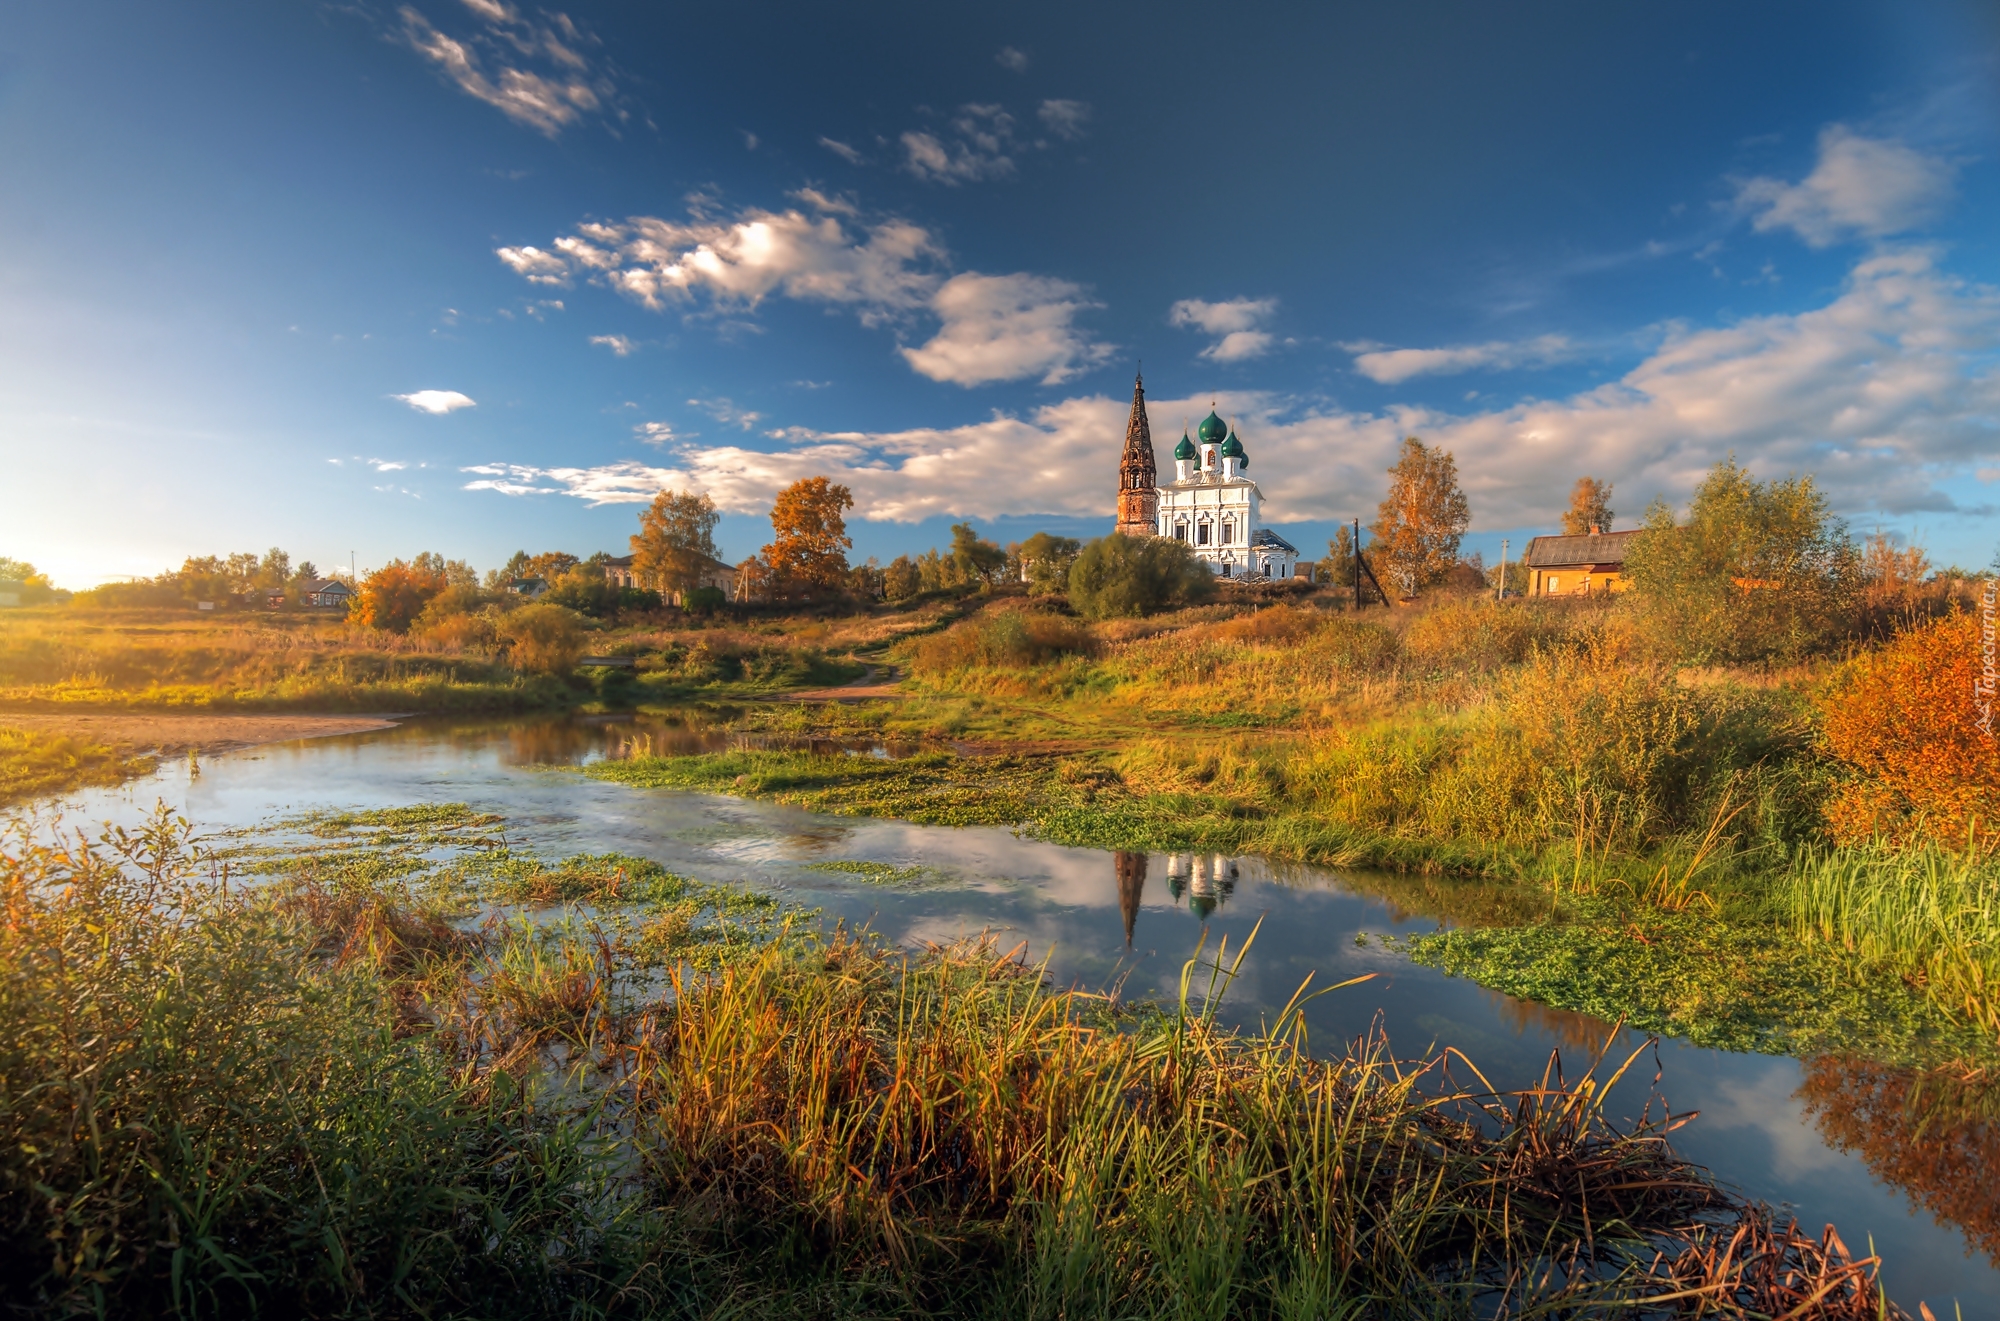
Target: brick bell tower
(1138,480)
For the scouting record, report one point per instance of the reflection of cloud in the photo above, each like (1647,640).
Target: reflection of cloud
(1759,1098)
(1859,187)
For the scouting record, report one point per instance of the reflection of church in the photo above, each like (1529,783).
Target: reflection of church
(1211,506)
(1205,879)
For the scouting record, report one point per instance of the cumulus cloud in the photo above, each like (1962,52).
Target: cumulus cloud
(888,272)
(1887,394)
(1234,323)
(1391,366)
(498,63)
(658,433)
(618,344)
(436,401)
(1010,57)
(1005,327)
(1860,187)
(1065,119)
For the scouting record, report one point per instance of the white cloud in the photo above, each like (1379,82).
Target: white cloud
(536,266)
(727,413)
(1865,187)
(1888,394)
(1010,57)
(842,150)
(1065,119)
(385,465)
(658,433)
(1005,327)
(890,272)
(550,100)
(436,401)
(1392,366)
(618,344)
(982,138)
(1235,322)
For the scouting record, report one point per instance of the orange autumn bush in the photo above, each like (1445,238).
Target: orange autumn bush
(1906,722)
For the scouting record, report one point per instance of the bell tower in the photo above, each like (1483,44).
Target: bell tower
(1138,480)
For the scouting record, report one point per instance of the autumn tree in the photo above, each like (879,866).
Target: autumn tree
(901,581)
(1589,508)
(394,595)
(809,542)
(676,540)
(1759,569)
(975,559)
(543,639)
(1421,521)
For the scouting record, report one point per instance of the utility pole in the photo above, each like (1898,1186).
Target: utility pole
(1355,546)
(1503,571)
(353,577)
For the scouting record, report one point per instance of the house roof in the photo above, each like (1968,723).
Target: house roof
(617,562)
(1266,537)
(315,586)
(1603,550)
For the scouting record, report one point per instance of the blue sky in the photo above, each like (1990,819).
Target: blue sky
(474,276)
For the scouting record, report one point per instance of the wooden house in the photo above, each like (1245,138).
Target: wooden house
(1578,565)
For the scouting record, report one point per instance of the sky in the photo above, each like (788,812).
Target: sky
(366,279)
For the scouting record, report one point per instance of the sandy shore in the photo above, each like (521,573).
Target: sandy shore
(147,731)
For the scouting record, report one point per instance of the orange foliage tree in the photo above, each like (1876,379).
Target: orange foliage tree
(1908,722)
(394,595)
(809,542)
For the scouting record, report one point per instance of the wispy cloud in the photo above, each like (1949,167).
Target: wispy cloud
(978,144)
(1859,187)
(436,401)
(1010,57)
(1393,366)
(889,272)
(618,344)
(1236,324)
(535,73)
(727,413)
(1066,119)
(842,150)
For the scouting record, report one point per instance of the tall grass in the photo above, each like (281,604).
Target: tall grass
(1928,913)
(34,762)
(309,1101)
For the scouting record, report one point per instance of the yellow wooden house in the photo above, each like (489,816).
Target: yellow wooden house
(1578,566)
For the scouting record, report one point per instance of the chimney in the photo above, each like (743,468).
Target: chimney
(1596,531)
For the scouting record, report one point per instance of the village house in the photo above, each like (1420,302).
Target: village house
(714,573)
(1210,506)
(1578,565)
(325,593)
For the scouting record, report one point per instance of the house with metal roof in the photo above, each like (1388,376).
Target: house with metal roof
(1578,565)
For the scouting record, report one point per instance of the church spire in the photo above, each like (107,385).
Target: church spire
(1138,475)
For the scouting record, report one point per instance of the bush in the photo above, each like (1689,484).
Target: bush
(545,639)
(1906,722)
(1477,634)
(1007,639)
(1121,575)
(704,600)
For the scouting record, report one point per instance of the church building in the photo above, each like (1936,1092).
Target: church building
(1210,505)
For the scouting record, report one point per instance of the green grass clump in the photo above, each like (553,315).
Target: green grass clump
(34,764)
(875,873)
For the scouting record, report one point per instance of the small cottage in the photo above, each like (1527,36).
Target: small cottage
(1578,565)
(325,593)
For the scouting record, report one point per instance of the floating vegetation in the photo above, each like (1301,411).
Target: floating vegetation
(874,873)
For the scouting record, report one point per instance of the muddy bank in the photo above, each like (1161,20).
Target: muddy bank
(163,733)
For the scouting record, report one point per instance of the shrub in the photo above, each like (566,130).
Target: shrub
(1906,722)
(1006,639)
(544,639)
(392,597)
(1476,634)
(1120,575)
(704,600)
(1280,623)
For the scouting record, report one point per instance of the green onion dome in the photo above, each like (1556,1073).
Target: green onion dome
(1184,450)
(1212,429)
(1233,448)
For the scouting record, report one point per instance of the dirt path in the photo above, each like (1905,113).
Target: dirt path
(151,731)
(876,682)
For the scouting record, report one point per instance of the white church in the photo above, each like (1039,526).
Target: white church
(1210,506)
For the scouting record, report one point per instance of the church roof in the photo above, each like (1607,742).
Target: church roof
(1266,537)
(1212,429)
(1184,450)
(1233,449)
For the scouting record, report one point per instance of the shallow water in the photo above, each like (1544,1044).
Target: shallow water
(1101,917)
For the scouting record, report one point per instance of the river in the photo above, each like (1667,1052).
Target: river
(1799,1135)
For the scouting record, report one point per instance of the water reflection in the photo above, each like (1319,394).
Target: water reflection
(1130,869)
(573,741)
(1205,880)
(1934,1133)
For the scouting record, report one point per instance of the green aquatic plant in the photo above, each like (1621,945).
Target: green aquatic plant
(875,873)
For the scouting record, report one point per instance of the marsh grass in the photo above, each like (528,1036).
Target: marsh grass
(223,1098)
(35,764)
(873,873)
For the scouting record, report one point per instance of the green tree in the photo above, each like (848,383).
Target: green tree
(1759,569)
(974,559)
(675,542)
(900,581)
(1338,566)
(1421,521)
(1045,559)
(1121,575)
(1589,507)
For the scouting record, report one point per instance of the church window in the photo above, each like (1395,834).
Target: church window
(1228,531)
(1201,535)
(1180,530)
